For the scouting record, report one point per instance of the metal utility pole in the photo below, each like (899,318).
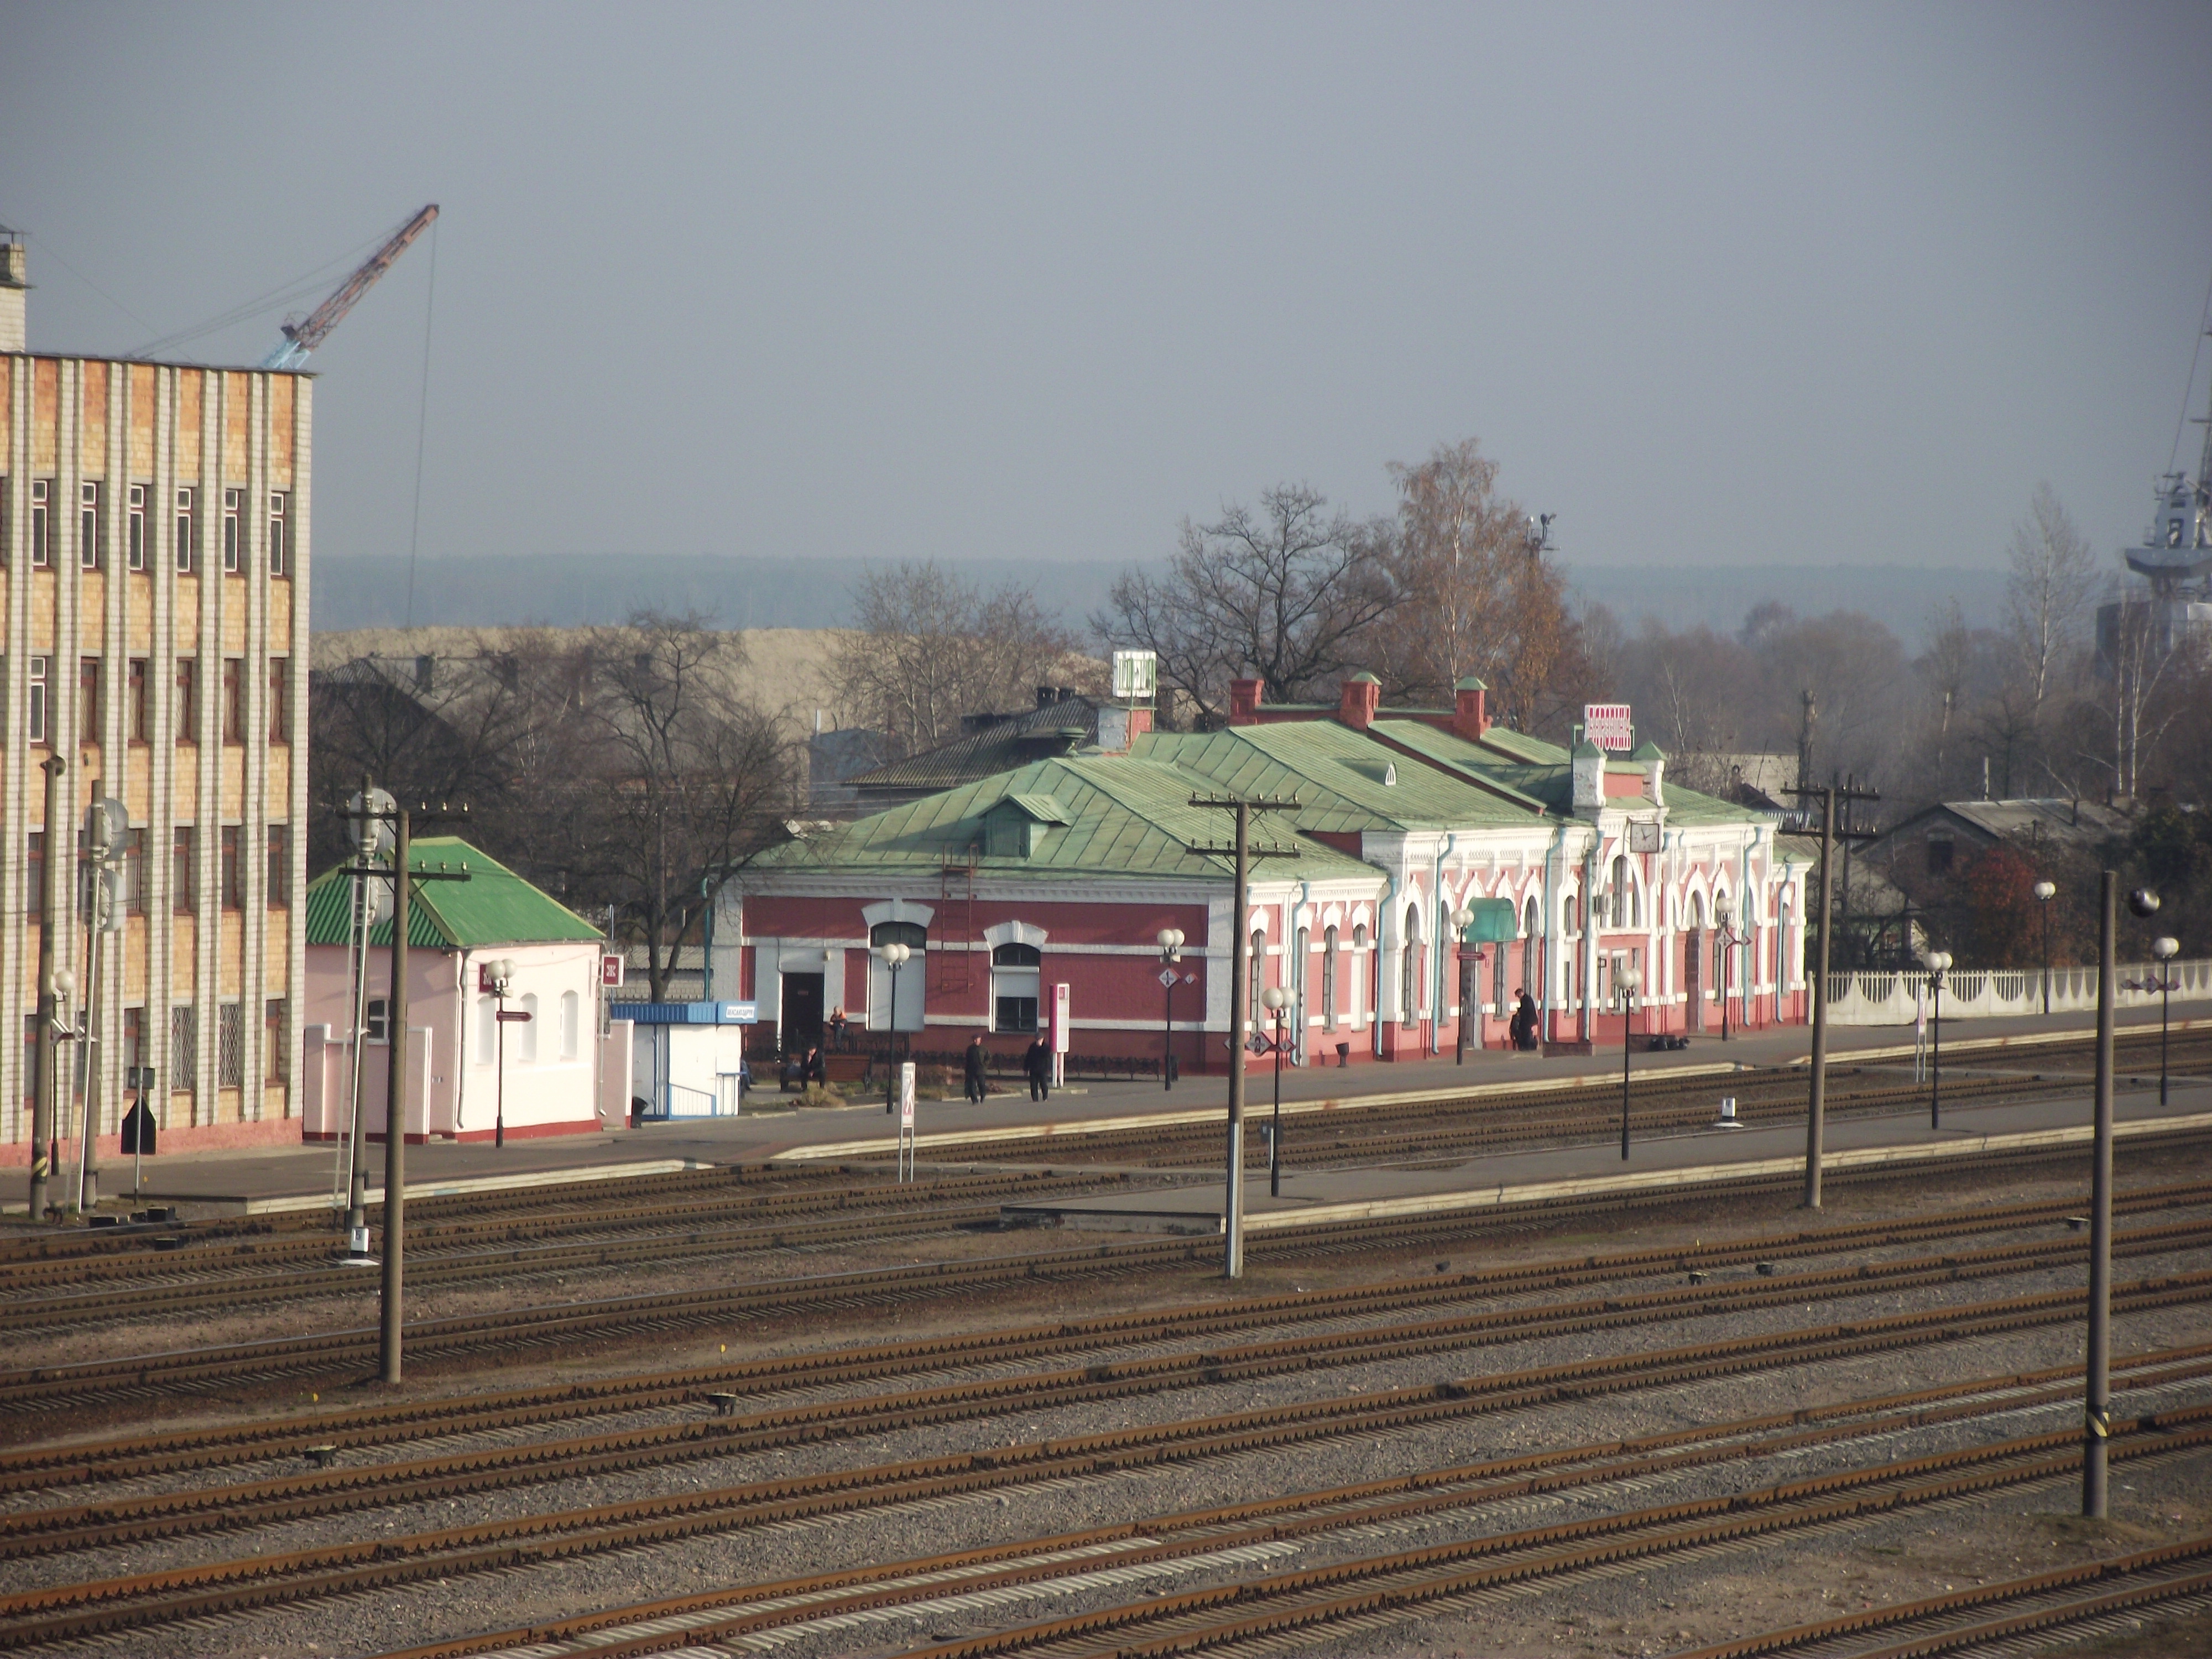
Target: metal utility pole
(2096,1415)
(1243,852)
(403,878)
(43,1134)
(1816,1106)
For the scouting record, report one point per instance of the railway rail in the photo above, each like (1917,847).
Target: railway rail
(1140,1549)
(346,1352)
(139,1602)
(130,1519)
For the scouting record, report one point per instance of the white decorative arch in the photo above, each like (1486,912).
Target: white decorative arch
(1258,924)
(1014,933)
(1332,915)
(898,910)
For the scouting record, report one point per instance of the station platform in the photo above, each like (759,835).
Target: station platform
(277,1179)
(1556,1174)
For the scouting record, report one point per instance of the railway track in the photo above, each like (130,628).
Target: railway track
(213,1589)
(1152,1549)
(174,1451)
(171,1514)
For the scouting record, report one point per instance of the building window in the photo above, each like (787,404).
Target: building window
(1328,978)
(279,726)
(183,1046)
(279,507)
(134,872)
(231,501)
(273,1044)
(135,702)
(1939,856)
(133,1038)
(1255,972)
(234,700)
(89,526)
(41,489)
(188,540)
(527,1030)
(1529,921)
(134,545)
(30,1060)
(227,876)
(486,1030)
(34,719)
(280,867)
(185,729)
(230,1046)
(571,1022)
(1015,972)
(1408,966)
(87,700)
(35,877)
(180,869)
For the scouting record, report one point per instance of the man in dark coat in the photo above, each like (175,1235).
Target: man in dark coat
(814,1072)
(1528,1021)
(977,1058)
(1037,1062)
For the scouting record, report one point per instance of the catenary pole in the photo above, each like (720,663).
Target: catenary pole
(2096,1417)
(43,1134)
(1816,1107)
(395,1108)
(1233,1262)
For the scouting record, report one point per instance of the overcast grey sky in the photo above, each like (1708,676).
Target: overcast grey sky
(1715,285)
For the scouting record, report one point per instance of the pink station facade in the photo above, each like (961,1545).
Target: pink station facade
(1066,870)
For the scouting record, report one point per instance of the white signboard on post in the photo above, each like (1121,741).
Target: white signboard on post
(1059,1034)
(1609,725)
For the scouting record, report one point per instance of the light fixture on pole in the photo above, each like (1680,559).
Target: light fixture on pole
(894,958)
(1461,919)
(501,975)
(1630,979)
(2164,949)
(2046,891)
(1939,964)
(2097,1393)
(1275,998)
(1170,941)
(1724,925)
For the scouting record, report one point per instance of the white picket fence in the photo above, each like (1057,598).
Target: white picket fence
(1878,998)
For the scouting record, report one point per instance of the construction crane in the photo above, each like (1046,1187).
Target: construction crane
(302,337)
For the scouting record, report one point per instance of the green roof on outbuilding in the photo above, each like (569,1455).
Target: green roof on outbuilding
(494,906)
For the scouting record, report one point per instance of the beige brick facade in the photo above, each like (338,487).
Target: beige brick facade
(177,690)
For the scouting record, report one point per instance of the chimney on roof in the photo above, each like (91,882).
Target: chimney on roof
(1244,702)
(1469,718)
(1119,725)
(13,287)
(1985,777)
(1357,700)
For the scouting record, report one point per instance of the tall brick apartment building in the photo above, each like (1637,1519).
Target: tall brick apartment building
(154,530)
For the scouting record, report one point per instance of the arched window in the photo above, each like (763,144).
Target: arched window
(1302,976)
(486,1030)
(1328,978)
(1408,965)
(571,1023)
(899,999)
(1529,924)
(1016,972)
(912,935)
(527,1030)
(1255,978)
(1570,927)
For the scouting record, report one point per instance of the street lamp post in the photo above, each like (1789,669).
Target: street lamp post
(2164,949)
(1939,962)
(1629,978)
(502,974)
(1276,998)
(894,958)
(1461,919)
(1170,943)
(2044,892)
(1724,925)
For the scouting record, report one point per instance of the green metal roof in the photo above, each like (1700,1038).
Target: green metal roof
(494,906)
(1549,782)
(1043,808)
(1341,777)
(1121,815)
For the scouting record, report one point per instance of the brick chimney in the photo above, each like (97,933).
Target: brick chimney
(1244,702)
(1358,701)
(13,287)
(1469,718)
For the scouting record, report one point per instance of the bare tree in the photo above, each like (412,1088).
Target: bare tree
(2053,574)
(931,647)
(681,778)
(1286,595)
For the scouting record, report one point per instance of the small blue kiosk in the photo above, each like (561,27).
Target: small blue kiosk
(687,1058)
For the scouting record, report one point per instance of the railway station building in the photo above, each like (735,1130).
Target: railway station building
(1066,869)
(155,526)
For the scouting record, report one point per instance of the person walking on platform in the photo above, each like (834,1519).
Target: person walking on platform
(1037,1062)
(977,1058)
(1525,1022)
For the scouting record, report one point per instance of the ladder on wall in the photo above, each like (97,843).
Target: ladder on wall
(955,920)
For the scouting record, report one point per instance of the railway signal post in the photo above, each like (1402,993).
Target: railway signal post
(1816,1104)
(1242,852)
